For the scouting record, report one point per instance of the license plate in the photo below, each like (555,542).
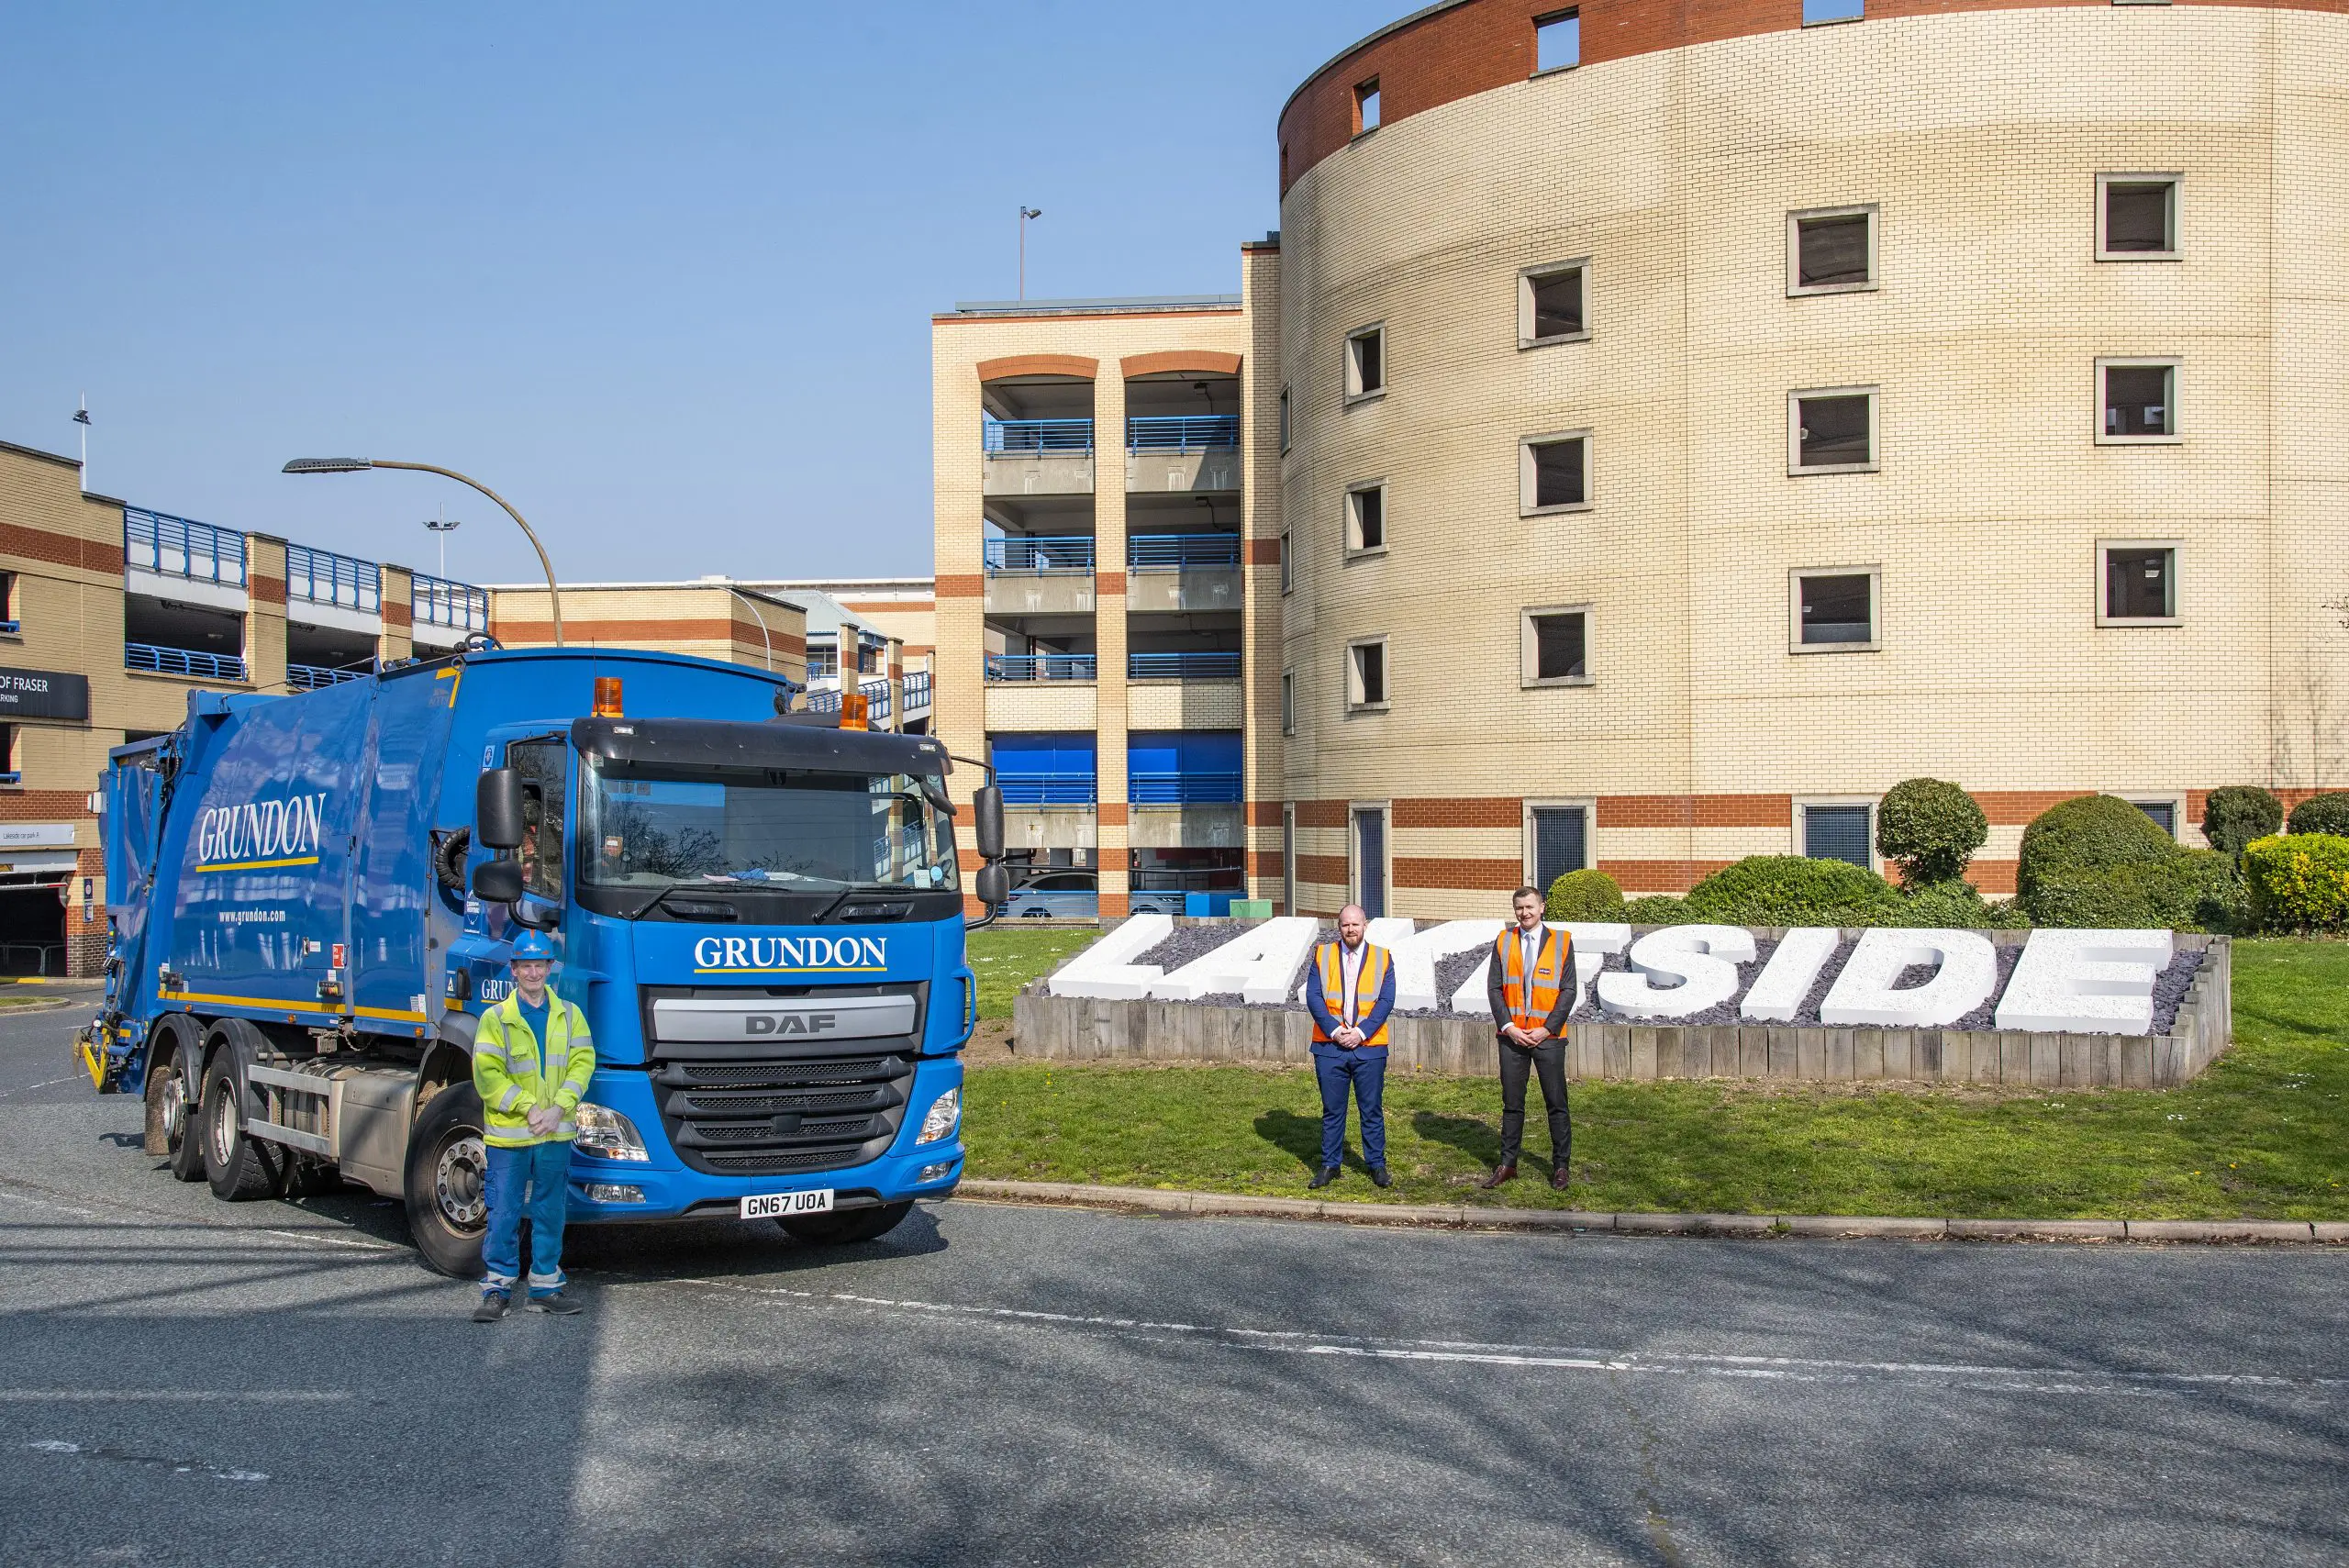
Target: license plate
(787,1206)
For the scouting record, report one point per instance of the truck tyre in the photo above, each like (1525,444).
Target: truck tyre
(171,1111)
(850,1225)
(447,1183)
(240,1166)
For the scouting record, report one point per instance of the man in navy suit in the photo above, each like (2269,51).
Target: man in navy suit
(1350,992)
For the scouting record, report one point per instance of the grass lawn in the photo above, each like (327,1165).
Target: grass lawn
(1005,957)
(2263,1134)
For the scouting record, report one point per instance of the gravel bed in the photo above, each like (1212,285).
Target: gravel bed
(2170,987)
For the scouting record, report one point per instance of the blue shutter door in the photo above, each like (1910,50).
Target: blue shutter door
(1370,850)
(1837,833)
(1558,844)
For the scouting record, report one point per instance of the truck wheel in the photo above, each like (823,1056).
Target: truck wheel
(241,1167)
(854,1225)
(447,1183)
(171,1115)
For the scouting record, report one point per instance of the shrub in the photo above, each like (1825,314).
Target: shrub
(2236,815)
(2191,888)
(2327,814)
(2092,832)
(2301,882)
(1930,829)
(1955,904)
(1584,895)
(1792,890)
(1656,909)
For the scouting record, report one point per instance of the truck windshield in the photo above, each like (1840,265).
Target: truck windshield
(649,826)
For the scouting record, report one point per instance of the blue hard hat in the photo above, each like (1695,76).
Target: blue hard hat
(530,945)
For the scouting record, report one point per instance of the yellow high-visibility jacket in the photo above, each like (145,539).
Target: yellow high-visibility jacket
(514,1076)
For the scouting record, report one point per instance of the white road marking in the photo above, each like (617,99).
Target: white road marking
(175,1395)
(150,1219)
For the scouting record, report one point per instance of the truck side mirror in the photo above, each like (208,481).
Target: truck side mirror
(497,810)
(993,885)
(987,827)
(498,882)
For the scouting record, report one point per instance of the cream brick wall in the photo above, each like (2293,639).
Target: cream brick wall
(1980,134)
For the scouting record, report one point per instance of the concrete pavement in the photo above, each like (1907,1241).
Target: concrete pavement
(187,1381)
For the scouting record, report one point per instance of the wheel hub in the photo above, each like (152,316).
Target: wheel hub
(223,1131)
(459,1182)
(175,1098)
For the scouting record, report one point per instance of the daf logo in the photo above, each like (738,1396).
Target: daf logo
(790,1023)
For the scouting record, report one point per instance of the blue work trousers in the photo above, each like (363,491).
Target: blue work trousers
(529,1184)
(1365,1071)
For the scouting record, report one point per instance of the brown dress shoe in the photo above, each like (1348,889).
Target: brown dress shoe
(1558,1178)
(1503,1174)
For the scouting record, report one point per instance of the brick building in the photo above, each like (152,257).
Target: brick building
(1660,426)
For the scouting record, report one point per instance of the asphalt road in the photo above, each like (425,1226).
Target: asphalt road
(183,1381)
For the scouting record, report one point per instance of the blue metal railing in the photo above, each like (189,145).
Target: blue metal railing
(314,677)
(1029,438)
(1041,667)
(322,577)
(1182,666)
(1046,789)
(1182,552)
(1181,432)
(175,547)
(1061,553)
(1182,789)
(876,694)
(917,691)
(182,662)
(461,606)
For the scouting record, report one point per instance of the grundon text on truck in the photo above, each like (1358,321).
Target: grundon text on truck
(312,898)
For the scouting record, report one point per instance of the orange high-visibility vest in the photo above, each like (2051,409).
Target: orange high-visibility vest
(1370,980)
(1529,1007)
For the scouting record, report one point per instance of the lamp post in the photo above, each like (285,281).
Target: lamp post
(1026,213)
(354,464)
(441,528)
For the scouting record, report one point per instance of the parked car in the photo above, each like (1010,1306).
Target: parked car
(1065,894)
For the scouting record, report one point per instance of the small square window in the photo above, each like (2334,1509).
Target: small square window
(1367,675)
(1557,41)
(1840,833)
(1365,520)
(1555,649)
(1834,610)
(1831,250)
(2137,401)
(2162,813)
(1831,430)
(1550,305)
(1816,12)
(1285,577)
(1553,472)
(1557,841)
(1366,106)
(8,622)
(2140,582)
(9,764)
(2136,218)
(1367,362)
(1283,425)
(1288,702)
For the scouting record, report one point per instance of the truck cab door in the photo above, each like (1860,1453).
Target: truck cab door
(543,758)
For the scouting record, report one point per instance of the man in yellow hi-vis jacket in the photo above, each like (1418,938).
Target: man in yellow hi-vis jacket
(532,1059)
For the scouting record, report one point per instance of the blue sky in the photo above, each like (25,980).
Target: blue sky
(661,275)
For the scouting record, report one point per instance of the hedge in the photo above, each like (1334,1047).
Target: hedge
(1584,895)
(2301,882)
(1930,829)
(1792,890)
(2091,832)
(2327,814)
(2234,815)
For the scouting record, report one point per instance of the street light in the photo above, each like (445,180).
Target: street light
(354,464)
(1025,212)
(442,527)
(765,636)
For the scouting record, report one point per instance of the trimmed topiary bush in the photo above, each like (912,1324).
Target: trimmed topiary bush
(1656,909)
(2298,884)
(1792,890)
(2327,813)
(2236,813)
(1955,904)
(1584,895)
(2093,832)
(1930,829)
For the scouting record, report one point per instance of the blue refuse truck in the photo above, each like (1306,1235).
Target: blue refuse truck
(312,898)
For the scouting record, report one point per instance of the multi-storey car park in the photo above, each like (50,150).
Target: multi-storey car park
(1657,428)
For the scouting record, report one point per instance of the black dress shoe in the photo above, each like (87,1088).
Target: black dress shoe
(1324,1176)
(1379,1178)
(1502,1174)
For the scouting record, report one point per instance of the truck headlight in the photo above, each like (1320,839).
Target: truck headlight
(945,1112)
(606,1134)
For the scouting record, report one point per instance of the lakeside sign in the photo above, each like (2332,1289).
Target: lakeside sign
(2064,980)
(43,694)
